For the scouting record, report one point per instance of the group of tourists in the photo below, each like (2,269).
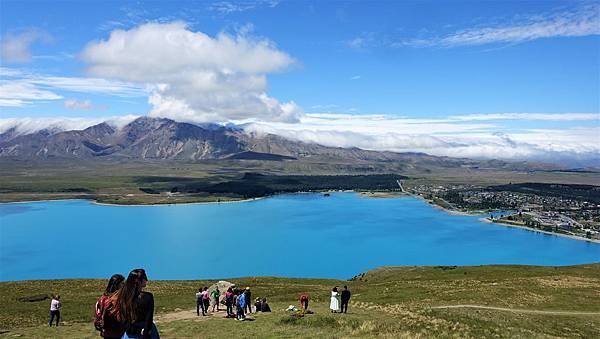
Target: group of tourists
(233,297)
(125,310)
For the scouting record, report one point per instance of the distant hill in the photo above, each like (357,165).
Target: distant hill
(165,139)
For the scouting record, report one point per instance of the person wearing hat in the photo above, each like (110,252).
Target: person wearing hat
(258,305)
(248,297)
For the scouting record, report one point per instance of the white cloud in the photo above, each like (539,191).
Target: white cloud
(15,48)
(528,116)
(356,77)
(16,93)
(74,104)
(443,137)
(57,124)
(192,76)
(580,22)
(18,88)
(226,7)
(575,146)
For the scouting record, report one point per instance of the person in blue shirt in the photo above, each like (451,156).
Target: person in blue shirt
(241,304)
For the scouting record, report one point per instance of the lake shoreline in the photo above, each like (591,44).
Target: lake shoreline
(365,194)
(574,237)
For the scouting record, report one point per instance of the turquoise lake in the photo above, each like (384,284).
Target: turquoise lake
(297,235)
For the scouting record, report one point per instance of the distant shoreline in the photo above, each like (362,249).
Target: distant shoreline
(574,237)
(366,194)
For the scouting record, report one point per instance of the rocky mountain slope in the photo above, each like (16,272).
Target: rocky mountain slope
(165,139)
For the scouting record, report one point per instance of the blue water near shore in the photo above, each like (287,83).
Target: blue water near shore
(297,235)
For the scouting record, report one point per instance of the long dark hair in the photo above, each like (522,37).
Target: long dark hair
(114,283)
(124,300)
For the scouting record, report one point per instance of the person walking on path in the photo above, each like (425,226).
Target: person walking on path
(345,299)
(55,310)
(334,305)
(248,297)
(229,302)
(304,298)
(205,300)
(215,298)
(199,303)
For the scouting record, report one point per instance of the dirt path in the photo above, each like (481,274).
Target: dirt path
(187,315)
(517,310)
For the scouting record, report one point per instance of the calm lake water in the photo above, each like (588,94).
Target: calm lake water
(299,235)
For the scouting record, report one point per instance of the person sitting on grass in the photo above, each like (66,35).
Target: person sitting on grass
(258,305)
(265,306)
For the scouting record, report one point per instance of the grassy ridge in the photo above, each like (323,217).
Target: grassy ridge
(388,302)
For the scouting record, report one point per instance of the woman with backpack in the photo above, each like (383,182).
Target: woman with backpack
(108,326)
(134,308)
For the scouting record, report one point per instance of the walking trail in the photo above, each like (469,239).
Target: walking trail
(517,310)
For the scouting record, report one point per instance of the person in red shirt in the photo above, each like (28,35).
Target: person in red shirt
(304,298)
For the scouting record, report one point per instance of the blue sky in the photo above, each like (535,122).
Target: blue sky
(301,67)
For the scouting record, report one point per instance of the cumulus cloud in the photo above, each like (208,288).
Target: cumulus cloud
(15,48)
(192,76)
(78,105)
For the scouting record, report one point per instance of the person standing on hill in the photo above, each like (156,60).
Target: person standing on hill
(241,305)
(345,299)
(334,305)
(205,300)
(109,326)
(229,301)
(134,307)
(55,310)
(199,303)
(248,297)
(215,298)
(304,298)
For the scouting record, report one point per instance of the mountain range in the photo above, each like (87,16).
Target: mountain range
(165,139)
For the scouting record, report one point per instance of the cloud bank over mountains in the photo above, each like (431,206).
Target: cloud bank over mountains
(192,76)
(451,136)
(189,76)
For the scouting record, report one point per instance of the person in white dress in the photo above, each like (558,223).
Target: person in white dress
(334,305)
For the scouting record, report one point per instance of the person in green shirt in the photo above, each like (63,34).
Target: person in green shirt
(215,298)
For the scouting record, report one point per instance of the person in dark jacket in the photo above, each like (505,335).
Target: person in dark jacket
(248,297)
(264,306)
(134,307)
(345,299)
(258,305)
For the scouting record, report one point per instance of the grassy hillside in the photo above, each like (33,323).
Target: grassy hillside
(387,302)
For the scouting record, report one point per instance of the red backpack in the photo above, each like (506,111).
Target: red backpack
(104,321)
